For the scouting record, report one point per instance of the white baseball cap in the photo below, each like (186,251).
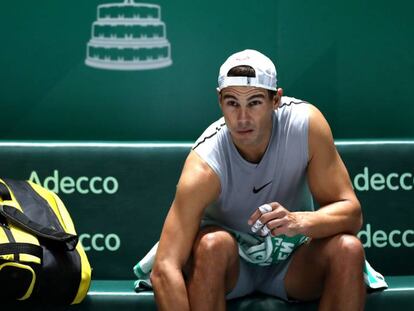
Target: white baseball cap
(264,68)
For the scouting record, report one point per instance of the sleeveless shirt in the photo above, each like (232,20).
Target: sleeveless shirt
(280,176)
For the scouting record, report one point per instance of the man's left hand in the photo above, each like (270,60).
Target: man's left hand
(277,219)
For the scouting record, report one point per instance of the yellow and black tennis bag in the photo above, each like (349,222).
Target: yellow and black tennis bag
(40,257)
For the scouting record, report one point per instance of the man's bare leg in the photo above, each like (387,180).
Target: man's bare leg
(332,269)
(214,269)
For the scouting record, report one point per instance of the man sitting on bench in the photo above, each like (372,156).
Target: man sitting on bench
(243,218)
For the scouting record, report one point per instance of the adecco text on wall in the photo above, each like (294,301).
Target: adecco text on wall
(81,184)
(380,238)
(367,180)
(100,242)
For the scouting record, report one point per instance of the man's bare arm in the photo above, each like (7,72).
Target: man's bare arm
(330,184)
(197,188)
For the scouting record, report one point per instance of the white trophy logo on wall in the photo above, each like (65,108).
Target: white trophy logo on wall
(128,36)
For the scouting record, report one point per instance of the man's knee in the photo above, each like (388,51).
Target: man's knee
(346,249)
(214,258)
(216,243)
(214,251)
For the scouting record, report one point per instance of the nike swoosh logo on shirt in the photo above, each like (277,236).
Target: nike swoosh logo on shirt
(259,189)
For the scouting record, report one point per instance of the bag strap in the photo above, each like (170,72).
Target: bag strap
(21,220)
(21,248)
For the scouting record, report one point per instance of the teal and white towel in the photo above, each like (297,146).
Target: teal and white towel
(143,268)
(373,279)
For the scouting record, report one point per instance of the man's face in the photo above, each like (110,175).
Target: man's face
(248,114)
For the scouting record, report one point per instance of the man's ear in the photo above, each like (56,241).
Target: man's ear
(278,98)
(219,96)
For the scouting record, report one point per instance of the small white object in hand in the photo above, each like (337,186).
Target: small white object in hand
(265,231)
(265,208)
(257,226)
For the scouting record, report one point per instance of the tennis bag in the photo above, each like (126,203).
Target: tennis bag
(40,257)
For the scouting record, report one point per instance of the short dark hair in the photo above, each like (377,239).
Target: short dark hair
(247,71)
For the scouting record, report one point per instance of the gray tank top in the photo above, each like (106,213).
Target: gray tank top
(279,177)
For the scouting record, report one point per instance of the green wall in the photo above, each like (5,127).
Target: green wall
(352,59)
